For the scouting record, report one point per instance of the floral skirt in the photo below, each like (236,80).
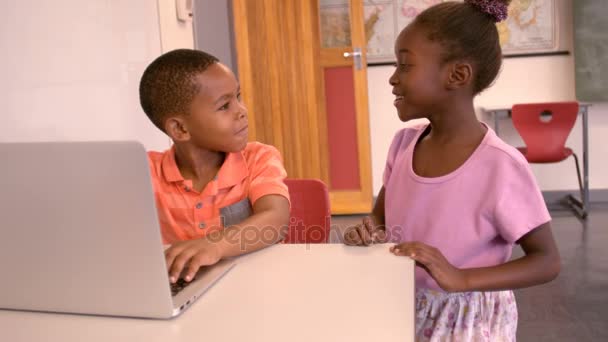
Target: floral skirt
(466,316)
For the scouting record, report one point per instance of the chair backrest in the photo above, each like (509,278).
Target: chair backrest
(544,127)
(310,211)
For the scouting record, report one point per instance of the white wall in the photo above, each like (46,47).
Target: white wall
(529,79)
(70,69)
(174,34)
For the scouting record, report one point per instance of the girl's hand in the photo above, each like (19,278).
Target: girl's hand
(365,234)
(448,277)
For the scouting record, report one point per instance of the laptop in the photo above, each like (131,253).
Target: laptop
(79,233)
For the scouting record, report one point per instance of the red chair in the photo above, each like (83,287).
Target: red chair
(310,214)
(544,127)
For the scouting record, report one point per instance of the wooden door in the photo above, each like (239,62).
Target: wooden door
(305,97)
(344,72)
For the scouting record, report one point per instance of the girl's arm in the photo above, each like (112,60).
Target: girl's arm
(541,264)
(378,211)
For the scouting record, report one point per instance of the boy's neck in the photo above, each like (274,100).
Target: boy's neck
(198,165)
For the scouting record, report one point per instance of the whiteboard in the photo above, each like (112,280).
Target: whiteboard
(591,50)
(70,70)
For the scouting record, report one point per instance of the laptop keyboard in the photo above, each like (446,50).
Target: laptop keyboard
(179,285)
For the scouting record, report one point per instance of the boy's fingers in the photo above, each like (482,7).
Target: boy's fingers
(178,265)
(170,255)
(192,269)
(196,262)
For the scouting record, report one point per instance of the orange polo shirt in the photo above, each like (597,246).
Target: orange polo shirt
(244,177)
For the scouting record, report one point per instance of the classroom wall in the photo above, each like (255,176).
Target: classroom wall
(70,69)
(174,34)
(529,79)
(71,72)
(213,31)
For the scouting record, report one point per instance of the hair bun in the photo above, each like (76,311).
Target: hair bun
(496,9)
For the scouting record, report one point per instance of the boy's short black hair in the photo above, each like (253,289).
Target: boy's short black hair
(167,85)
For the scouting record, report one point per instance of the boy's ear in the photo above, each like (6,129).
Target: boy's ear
(460,75)
(175,127)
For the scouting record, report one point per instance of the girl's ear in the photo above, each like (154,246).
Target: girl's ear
(460,75)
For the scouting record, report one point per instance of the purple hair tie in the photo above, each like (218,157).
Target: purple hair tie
(498,10)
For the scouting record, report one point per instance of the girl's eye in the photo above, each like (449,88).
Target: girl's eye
(402,66)
(225,106)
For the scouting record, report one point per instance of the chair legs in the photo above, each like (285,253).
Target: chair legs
(574,203)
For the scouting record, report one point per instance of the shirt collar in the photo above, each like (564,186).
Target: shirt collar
(232,172)
(169,167)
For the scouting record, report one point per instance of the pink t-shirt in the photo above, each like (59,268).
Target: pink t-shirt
(473,215)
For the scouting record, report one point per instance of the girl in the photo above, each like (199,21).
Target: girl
(456,198)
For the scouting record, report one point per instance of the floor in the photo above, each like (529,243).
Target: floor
(574,307)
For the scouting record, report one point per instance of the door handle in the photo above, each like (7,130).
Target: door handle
(356,55)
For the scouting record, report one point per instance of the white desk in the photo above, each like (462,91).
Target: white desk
(496,113)
(283,293)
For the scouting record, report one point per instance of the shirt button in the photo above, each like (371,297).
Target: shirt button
(201,225)
(187,189)
(199,205)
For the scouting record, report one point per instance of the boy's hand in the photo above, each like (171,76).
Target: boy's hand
(190,256)
(448,277)
(365,233)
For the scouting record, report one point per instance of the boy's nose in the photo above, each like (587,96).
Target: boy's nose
(242,112)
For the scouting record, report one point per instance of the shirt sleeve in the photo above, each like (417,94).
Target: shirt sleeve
(392,155)
(400,142)
(267,174)
(521,206)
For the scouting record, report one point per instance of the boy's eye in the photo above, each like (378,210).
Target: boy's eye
(238,96)
(225,106)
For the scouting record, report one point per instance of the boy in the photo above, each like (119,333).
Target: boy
(217,195)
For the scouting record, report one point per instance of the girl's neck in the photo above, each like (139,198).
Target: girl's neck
(457,124)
